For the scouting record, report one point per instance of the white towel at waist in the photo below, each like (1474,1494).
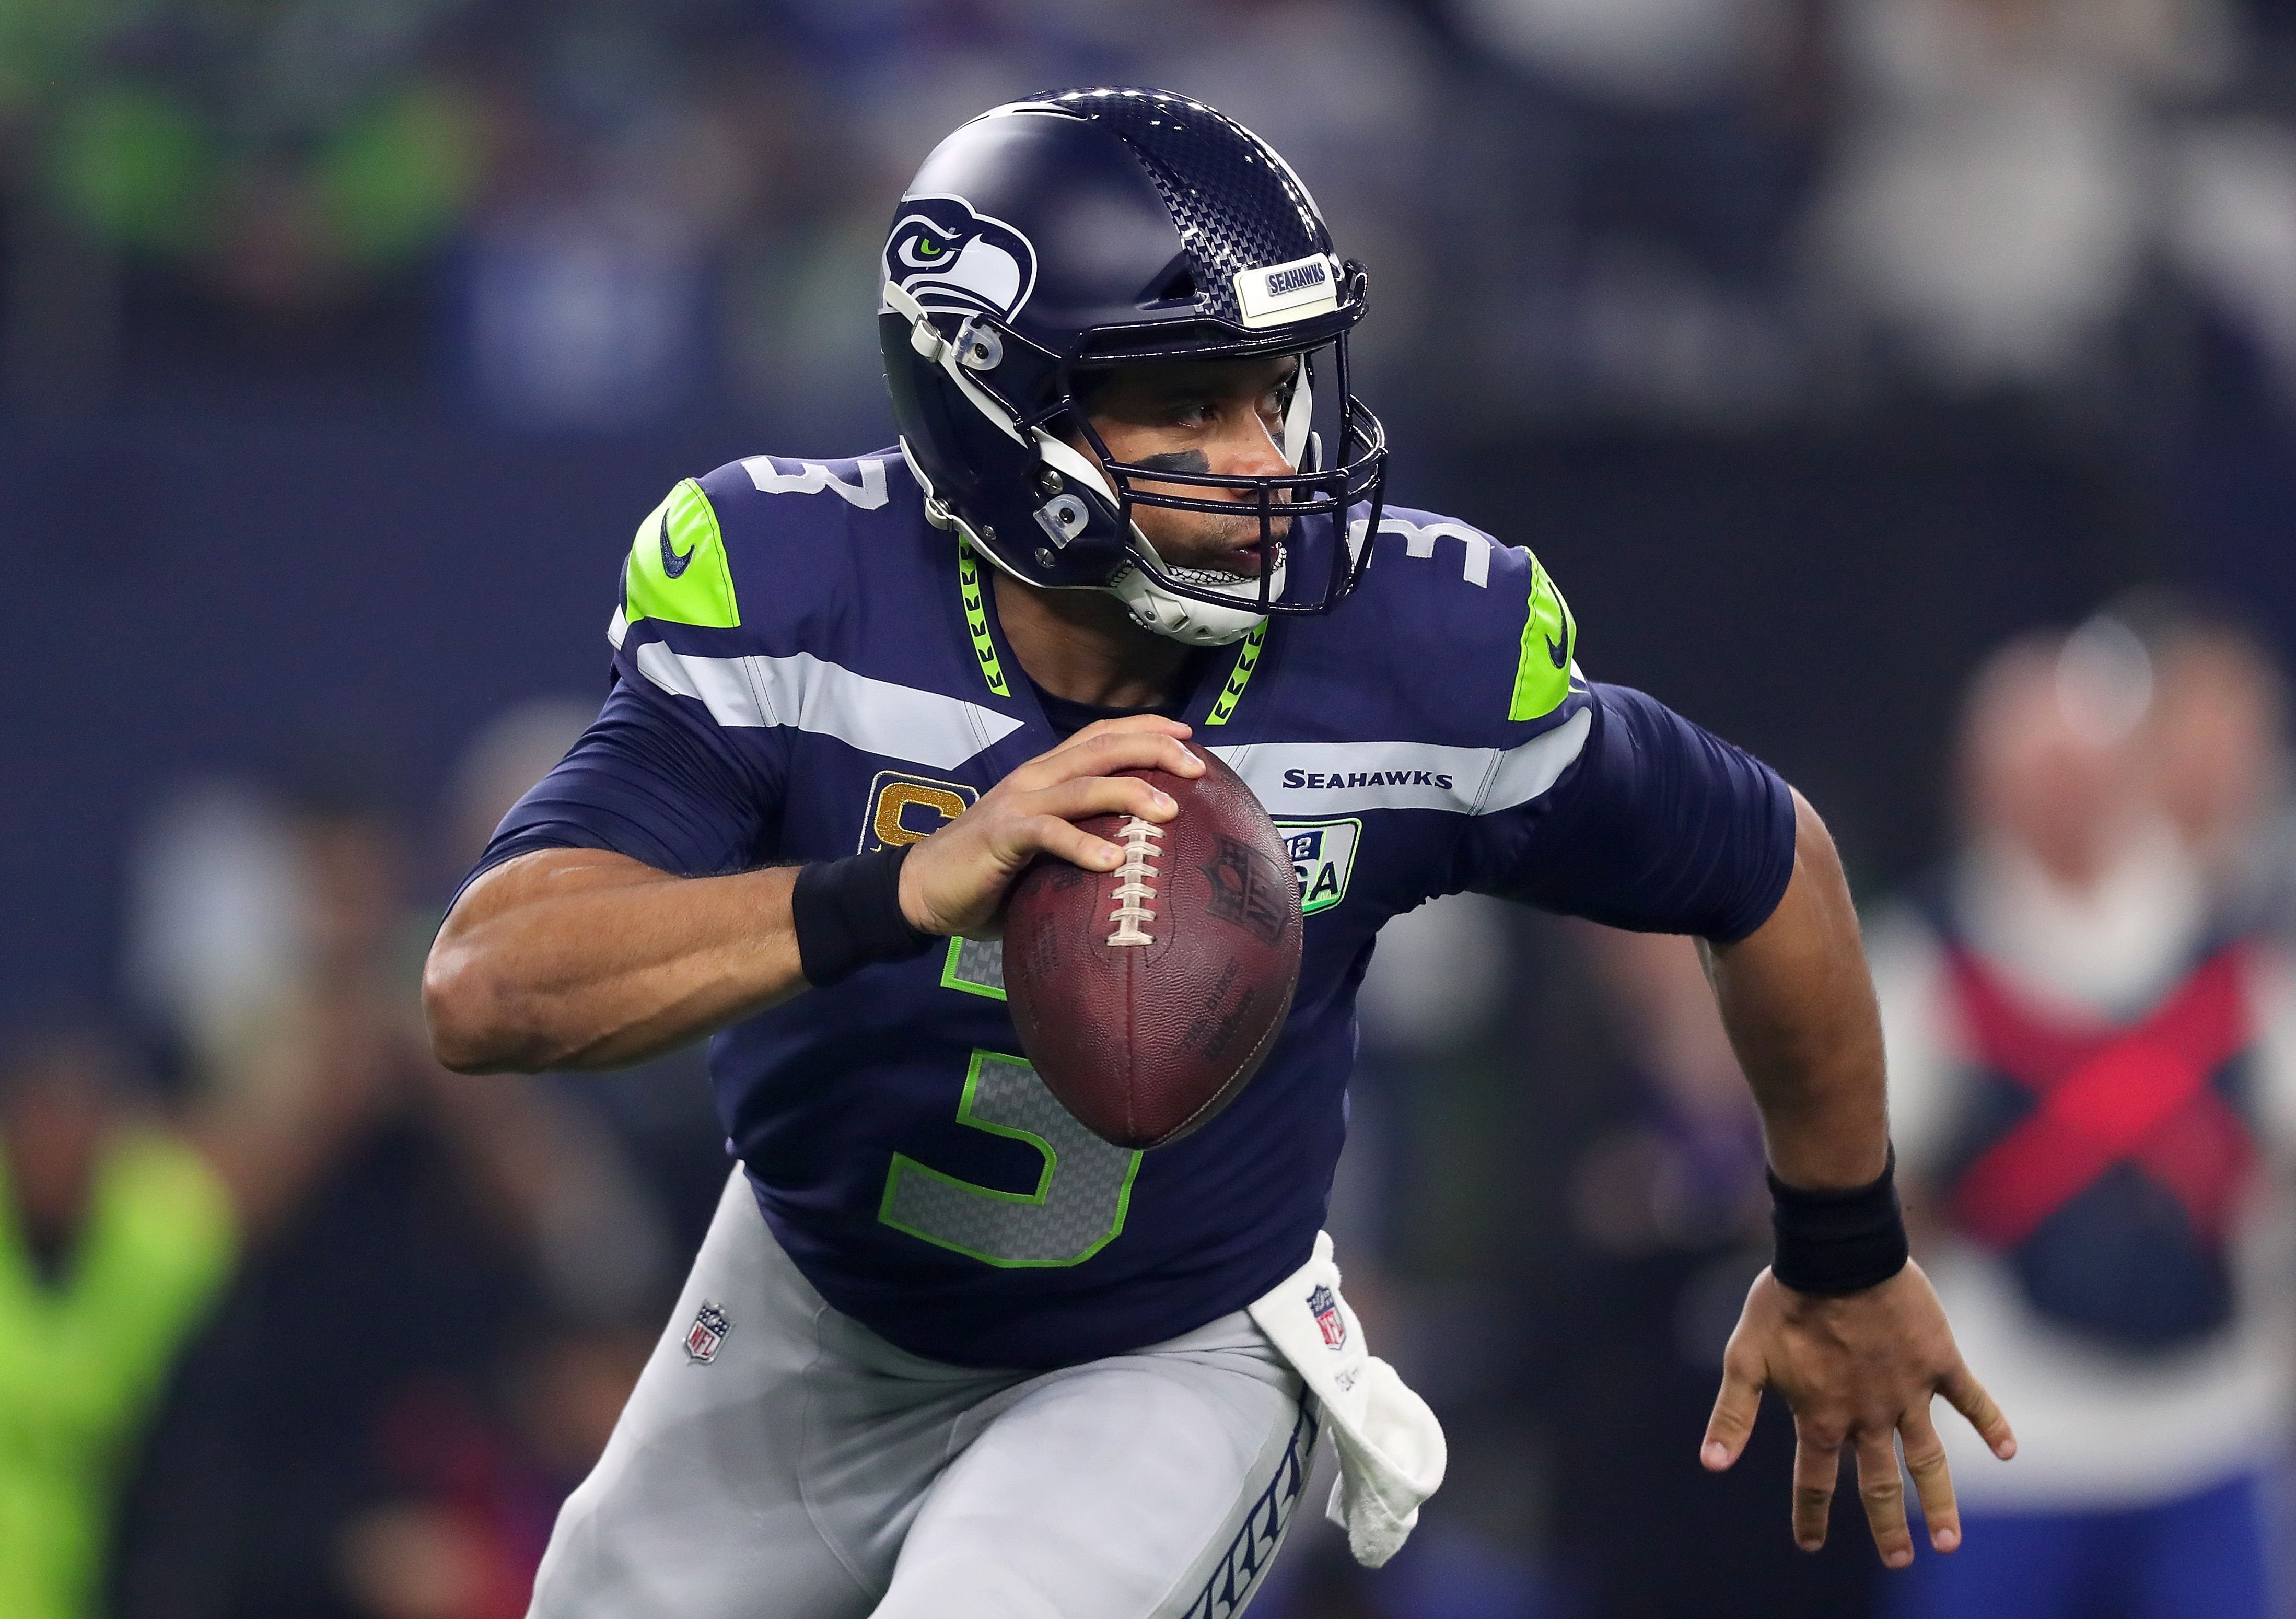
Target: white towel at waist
(1391,1451)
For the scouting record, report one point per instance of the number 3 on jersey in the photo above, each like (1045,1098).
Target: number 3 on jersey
(1082,1191)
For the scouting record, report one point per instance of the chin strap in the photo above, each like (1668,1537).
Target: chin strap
(1180,617)
(1070,462)
(935,349)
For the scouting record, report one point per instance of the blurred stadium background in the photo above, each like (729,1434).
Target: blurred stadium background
(1818,347)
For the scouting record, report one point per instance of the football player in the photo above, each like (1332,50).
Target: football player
(943,1351)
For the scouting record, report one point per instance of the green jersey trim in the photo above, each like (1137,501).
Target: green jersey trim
(976,620)
(1078,1206)
(1550,641)
(1247,659)
(677,569)
(976,967)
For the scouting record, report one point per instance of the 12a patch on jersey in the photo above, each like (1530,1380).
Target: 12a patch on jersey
(1323,859)
(910,808)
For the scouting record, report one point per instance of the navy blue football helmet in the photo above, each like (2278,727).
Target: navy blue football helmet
(1052,238)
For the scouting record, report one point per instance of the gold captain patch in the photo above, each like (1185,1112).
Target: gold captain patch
(910,808)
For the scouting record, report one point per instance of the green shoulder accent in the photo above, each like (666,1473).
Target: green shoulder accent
(678,568)
(976,620)
(1247,659)
(1550,640)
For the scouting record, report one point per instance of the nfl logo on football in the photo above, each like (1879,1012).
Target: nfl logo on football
(1326,1309)
(708,1333)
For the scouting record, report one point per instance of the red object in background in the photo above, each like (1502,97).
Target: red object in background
(464,1539)
(2141,1094)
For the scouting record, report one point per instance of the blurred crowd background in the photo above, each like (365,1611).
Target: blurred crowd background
(1905,388)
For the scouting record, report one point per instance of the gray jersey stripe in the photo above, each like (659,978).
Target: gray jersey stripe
(1325,778)
(815,695)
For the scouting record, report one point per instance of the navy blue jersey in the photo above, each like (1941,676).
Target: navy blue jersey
(806,668)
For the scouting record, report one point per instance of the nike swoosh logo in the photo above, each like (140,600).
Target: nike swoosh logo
(1554,648)
(673,562)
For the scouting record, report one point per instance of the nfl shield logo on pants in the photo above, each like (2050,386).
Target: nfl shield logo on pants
(1326,1309)
(703,1339)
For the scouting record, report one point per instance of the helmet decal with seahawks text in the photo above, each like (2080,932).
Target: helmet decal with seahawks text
(954,261)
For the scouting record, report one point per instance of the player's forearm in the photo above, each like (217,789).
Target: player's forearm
(1798,1003)
(577,958)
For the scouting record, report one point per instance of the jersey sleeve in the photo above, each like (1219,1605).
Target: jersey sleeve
(659,775)
(1656,825)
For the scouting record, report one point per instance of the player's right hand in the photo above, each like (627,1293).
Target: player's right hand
(1858,1371)
(954,880)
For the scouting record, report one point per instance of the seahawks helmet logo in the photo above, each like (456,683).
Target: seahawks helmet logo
(954,261)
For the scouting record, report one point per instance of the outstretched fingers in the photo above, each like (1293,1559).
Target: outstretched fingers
(1932,1479)
(1734,1409)
(1963,1390)
(1817,1465)
(1881,1489)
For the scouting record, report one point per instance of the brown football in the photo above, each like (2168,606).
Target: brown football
(1147,997)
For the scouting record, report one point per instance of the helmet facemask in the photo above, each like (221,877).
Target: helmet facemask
(1082,530)
(1309,555)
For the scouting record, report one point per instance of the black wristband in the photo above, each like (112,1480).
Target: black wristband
(847,915)
(1836,1242)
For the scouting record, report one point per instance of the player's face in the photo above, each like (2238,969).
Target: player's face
(1224,417)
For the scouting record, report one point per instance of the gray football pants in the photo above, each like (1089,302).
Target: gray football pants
(808,1469)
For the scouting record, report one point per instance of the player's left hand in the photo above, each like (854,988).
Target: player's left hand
(1856,1371)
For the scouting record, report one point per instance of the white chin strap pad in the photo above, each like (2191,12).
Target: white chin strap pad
(1181,617)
